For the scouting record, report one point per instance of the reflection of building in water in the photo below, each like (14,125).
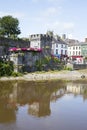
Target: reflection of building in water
(58,94)
(39,109)
(37,96)
(13,95)
(8,104)
(7,113)
(73,88)
(77,89)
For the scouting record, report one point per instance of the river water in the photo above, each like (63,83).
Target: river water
(49,105)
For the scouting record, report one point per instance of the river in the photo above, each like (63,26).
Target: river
(47,105)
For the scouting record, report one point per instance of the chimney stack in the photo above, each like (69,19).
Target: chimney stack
(85,39)
(63,36)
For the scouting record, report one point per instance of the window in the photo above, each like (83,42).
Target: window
(56,51)
(62,46)
(76,52)
(73,48)
(76,47)
(65,46)
(65,52)
(79,53)
(73,53)
(56,45)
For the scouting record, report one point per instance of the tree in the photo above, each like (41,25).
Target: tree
(9,27)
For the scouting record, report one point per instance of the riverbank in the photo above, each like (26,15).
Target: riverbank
(51,75)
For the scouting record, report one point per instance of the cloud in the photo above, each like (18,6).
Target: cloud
(16,14)
(70,36)
(68,25)
(49,12)
(61,25)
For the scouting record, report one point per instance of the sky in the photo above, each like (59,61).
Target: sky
(39,16)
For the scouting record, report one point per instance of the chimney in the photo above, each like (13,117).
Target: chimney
(85,39)
(63,36)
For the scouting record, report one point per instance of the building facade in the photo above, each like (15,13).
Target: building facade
(59,47)
(84,49)
(74,53)
(43,41)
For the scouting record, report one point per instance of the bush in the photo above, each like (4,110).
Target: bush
(6,68)
(16,74)
(68,68)
(39,64)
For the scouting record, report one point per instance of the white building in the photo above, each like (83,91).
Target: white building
(52,45)
(41,41)
(74,50)
(35,40)
(74,53)
(59,47)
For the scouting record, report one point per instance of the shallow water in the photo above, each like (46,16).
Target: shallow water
(43,106)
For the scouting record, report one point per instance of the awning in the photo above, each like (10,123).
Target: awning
(76,57)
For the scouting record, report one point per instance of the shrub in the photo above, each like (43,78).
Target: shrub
(16,74)
(6,68)
(68,68)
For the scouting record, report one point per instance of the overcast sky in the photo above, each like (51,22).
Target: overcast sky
(38,16)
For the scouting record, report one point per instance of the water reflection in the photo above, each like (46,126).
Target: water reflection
(37,96)
(77,89)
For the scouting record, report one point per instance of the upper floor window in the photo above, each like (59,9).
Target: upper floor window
(62,46)
(57,45)
(79,53)
(73,48)
(73,53)
(65,46)
(65,52)
(76,47)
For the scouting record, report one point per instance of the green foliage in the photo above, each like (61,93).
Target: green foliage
(85,58)
(46,60)
(16,74)
(6,68)
(48,63)
(68,68)
(56,60)
(39,64)
(9,27)
(42,62)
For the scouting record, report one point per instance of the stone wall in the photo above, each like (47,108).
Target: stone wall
(6,43)
(79,66)
(24,61)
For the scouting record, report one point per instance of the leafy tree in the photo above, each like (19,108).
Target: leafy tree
(9,26)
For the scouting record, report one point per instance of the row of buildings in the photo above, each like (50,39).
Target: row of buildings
(39,46)
(60,47)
